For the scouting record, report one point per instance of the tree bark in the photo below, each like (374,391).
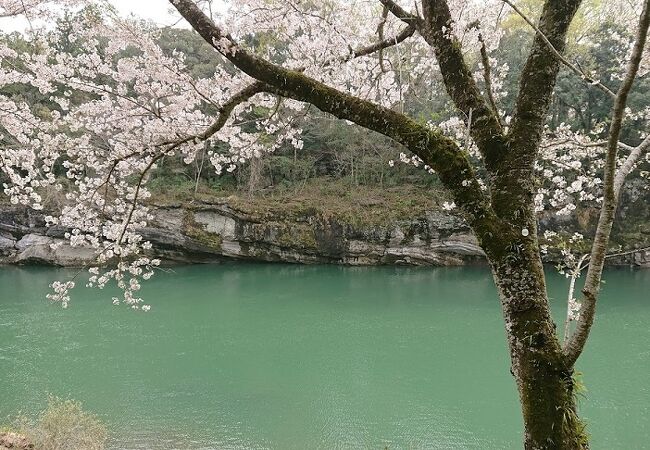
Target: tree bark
(544,381)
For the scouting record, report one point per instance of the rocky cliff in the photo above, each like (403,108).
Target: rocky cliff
(218,231)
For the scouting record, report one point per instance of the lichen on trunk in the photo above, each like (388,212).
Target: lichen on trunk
(544,380)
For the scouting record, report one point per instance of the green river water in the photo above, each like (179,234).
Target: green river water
(294,357)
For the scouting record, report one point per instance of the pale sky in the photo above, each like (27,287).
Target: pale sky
(156,10)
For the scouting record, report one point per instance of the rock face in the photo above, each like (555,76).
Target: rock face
(14,441)
(642,258)
(217,232)
(35,248)
(24,239)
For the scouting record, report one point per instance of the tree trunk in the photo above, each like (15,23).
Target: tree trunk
(503,220)
(544,381)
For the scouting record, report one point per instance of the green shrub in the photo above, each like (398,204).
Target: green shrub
(64,425)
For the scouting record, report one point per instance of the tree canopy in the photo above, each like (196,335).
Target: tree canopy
(515,107)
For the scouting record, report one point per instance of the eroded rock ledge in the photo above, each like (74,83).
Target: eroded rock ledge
(217,231)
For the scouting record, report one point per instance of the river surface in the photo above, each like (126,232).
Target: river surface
(296,357)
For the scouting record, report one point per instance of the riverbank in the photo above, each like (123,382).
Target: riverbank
(326,224)
(220,230)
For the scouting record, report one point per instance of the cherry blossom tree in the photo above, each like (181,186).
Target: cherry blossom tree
(121,104)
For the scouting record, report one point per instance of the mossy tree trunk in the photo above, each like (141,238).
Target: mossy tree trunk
(504,219)
(543,378)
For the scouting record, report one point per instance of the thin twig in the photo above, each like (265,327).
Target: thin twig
(558,55)
(487,75)
(575,274)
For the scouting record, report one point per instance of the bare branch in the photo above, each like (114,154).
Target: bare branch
(574,68)
(380,33)
(401,13)
(437,30)
(536,85)
(228,107)
(577,143)
(29,20)
(539,74)
(575,274)
(628,252)
(487,77)
(631,160)
(383,44)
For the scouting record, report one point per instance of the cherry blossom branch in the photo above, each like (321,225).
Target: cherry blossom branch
(318,16)
(636,153)
(575,345)
(436,150)
(224,114)
(575,69)
(20,7)
(134,203)
(79,82)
